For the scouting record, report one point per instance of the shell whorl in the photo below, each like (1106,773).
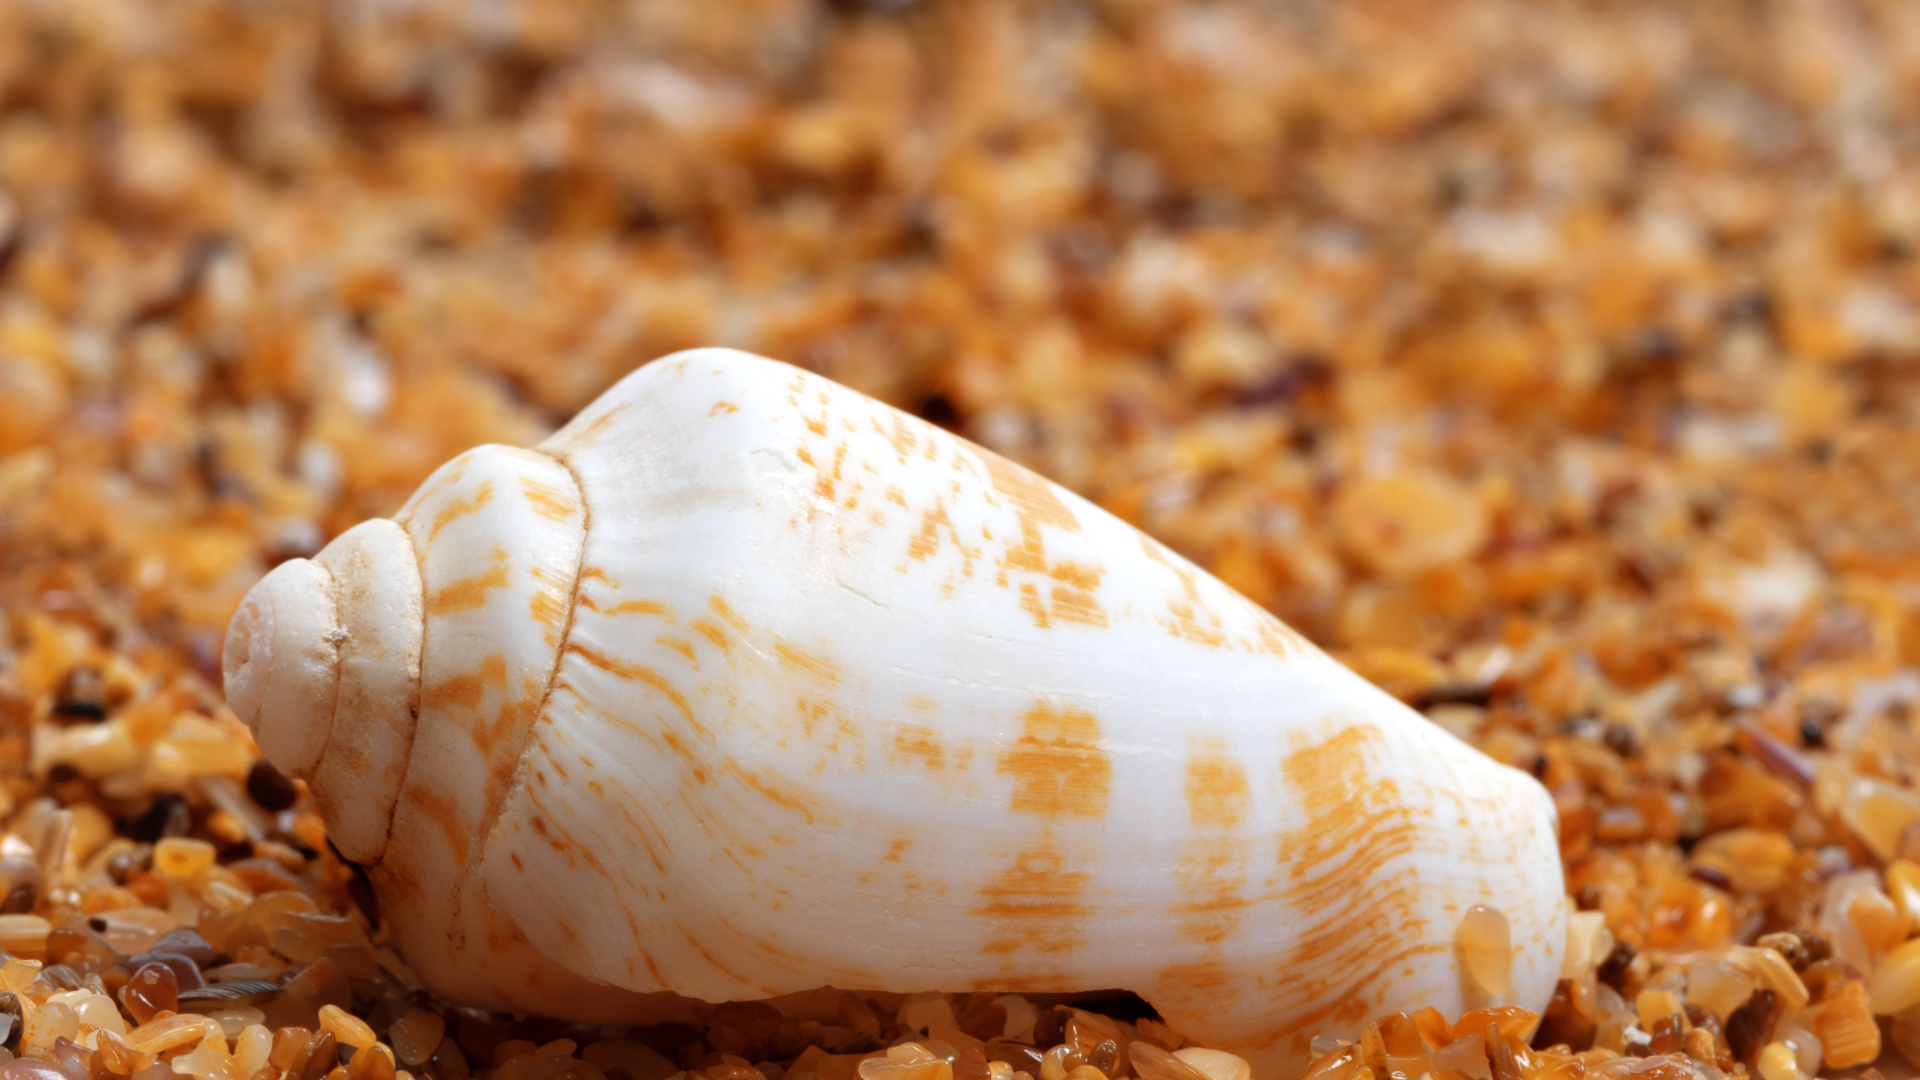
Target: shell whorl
(322,662)
(281,664)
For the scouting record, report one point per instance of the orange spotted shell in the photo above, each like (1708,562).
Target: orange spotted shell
(744,683)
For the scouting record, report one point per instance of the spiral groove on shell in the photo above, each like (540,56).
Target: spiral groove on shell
(744,683)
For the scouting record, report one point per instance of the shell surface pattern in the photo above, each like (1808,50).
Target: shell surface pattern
(743,684)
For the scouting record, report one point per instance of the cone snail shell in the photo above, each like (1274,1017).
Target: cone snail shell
(744,684)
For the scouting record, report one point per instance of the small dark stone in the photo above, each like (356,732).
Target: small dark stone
(168,816)
(1588,898)
(81,698)
(137,857)
(1712,875)
(1621,740)
(1051,1028)
(939,409)
(186,973)
(270,789)
(1818,945)
(1614,967)
(1812,734)
(1747,1025)
(1667,1033)
(1301,373)
(1788,945)
(1455,694)
(1699,1017)
(77,711)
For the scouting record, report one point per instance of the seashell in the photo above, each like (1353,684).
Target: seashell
(743,684)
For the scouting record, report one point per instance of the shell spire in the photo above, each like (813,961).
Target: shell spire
(744,684)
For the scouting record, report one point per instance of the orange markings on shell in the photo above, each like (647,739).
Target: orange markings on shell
(629,607)
(459,508)
(1078,606)
(927,541)
(640,673)
(716,964)
(1034,502)
(441,809)
(1030,603)
(825,483)
(553,503)
(779,792)
(1058,767)
(1217,792)
(1076,575)
(1036,506)
(711,633)
(1206,979)
(549,608)
(465,690)
(591,432)
(1212,872)
(922,744)
(1188,608)
(469,594)
(726,613)
(795,659)
(1040,901)
(1359,822)
(447,477)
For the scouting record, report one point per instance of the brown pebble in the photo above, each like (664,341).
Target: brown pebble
(153,989)
(1747,1026)
(1614,967)
(81,698)
(269,788)
(289,1052)
(323,1056)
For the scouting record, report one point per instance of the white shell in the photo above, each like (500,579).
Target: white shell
(745,683)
